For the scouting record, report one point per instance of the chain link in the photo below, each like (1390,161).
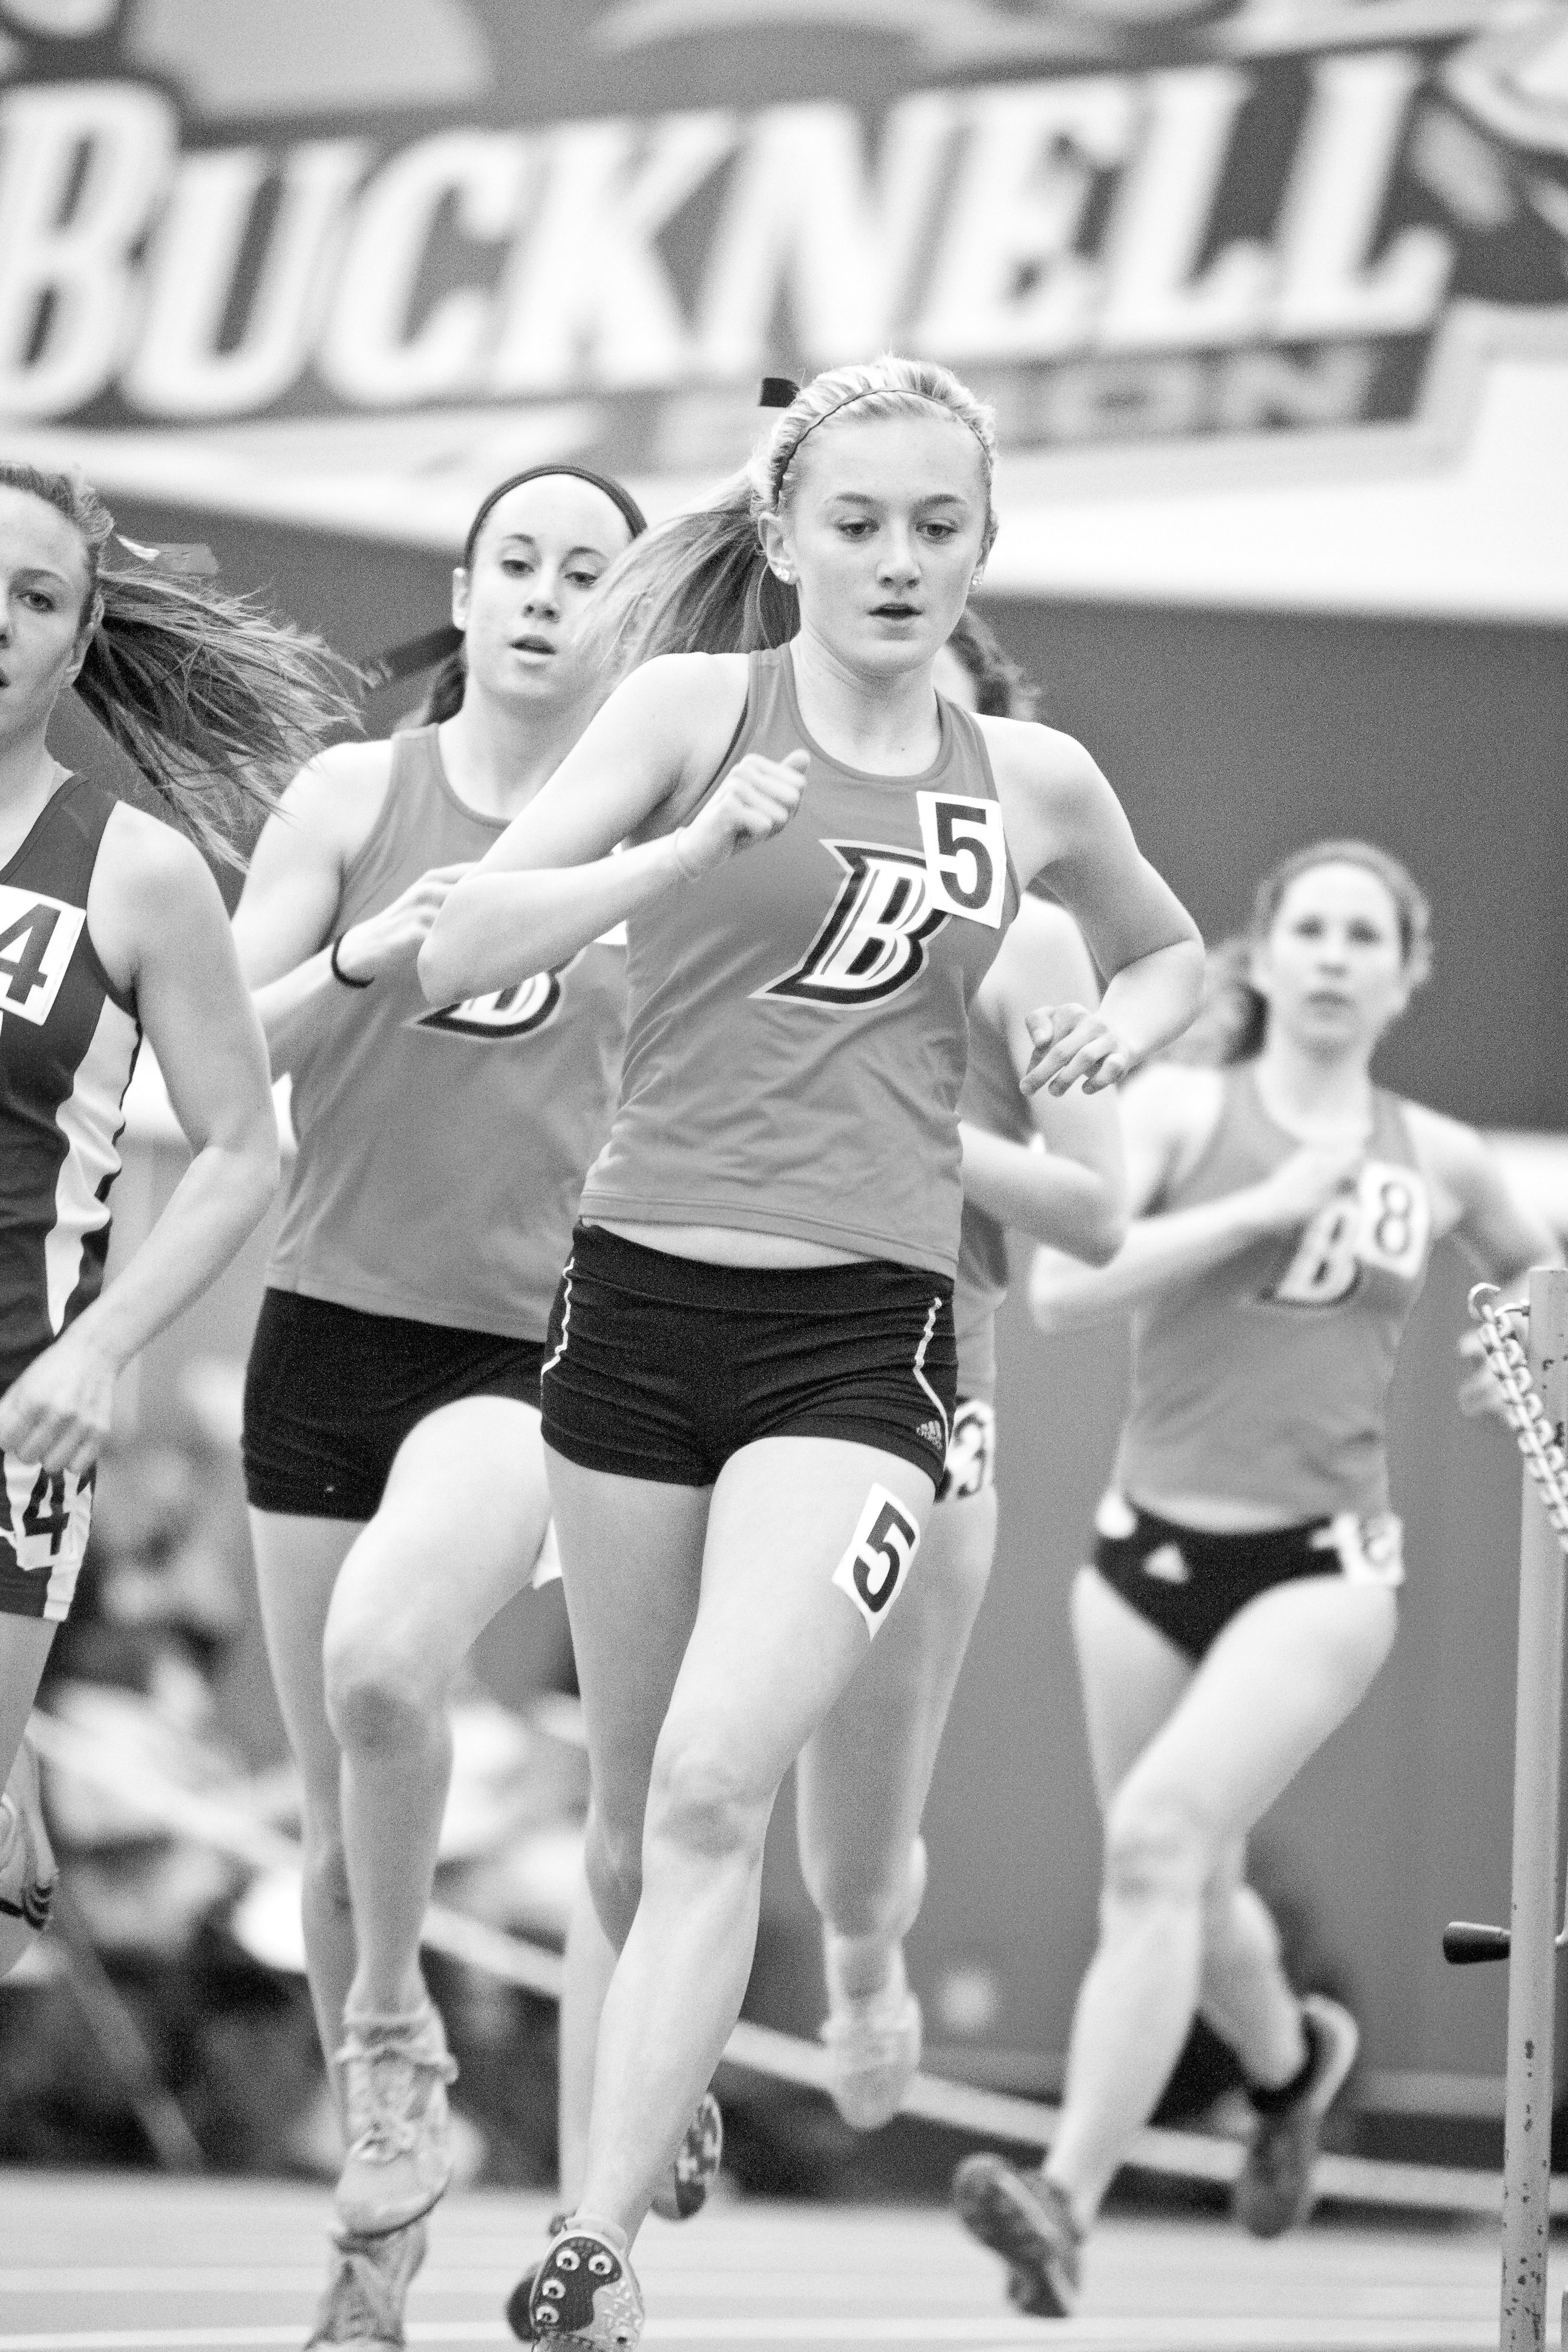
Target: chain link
(1543,1458)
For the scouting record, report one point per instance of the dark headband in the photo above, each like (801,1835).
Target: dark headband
(637,521)
(413,655)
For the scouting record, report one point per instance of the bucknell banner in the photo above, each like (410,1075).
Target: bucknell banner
(1270,296)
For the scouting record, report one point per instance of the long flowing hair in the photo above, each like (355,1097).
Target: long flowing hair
(215,700)
(701,582)
(1233,1019)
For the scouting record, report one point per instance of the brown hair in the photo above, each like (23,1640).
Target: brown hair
(215,700)
(1002,689)
(701,582)
(1232,1020)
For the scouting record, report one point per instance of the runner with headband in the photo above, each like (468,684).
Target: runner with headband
(111,929)
(392,1438)
(863,1779)
(1243,1591)
(751,1378)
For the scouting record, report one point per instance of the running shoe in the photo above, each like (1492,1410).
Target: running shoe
(873,2045)
(695,2166)
(1273,2192)
(28,1873)
(366,2289)
(395,2071)
(1026,2219)
(583,2292)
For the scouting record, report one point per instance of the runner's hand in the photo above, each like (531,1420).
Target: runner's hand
(395,935)
(756,800)
(57,1412)
(1289,1198)
(1479,1390)
(1073,1042)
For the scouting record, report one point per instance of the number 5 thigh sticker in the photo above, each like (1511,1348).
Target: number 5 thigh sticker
(873,1569)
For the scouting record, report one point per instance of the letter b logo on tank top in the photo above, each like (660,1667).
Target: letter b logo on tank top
(1385,1223)
(514,1012)
(873,941)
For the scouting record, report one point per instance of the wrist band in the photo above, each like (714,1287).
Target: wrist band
(337,971)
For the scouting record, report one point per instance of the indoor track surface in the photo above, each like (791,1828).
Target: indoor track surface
(104,2262)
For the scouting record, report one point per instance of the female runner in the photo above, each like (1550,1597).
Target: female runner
(112,928)
(1242,1595)
(862,1779)
(750,1381)
(392,1447)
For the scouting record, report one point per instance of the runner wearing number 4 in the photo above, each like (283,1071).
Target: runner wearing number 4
(862,1780)
(750,1384)
(1242,1595)
(111,929)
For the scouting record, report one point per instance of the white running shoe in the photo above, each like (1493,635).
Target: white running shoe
(395,2071)
(29,1876)
(1273,2192)
(873,2043)
(366,2289)
(583,2292)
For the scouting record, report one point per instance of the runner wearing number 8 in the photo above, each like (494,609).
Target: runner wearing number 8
(863,1779)
(113,930)
(750,1385)
(1242,1594)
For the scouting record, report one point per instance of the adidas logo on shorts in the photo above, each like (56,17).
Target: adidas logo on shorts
(931,1432)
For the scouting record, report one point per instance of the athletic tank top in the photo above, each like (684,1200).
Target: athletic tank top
(442,1151)
(990,1098)
(1266,1378)
(798,1020)
(69,1040)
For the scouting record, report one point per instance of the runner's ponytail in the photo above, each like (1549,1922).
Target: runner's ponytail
(215,700)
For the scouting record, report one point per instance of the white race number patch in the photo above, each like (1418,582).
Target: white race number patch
(1369,1551)
(967,856)
(37,939)
(1386,1222)
(873,1569)
(970,1465)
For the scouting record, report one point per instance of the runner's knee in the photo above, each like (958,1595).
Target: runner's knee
(702,1802)
(378,1697)
(1158,1848)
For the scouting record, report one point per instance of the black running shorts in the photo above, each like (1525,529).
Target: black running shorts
(1190,1584)
(331,1392)
(660,1367)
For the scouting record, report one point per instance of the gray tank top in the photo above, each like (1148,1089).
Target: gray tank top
(991,1098)
(798,1021)
(442,1151)
(1266,1378)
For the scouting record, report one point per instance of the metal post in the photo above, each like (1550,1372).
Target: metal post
(1532,1970)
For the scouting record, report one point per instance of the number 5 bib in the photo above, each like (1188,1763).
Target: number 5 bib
(965,855)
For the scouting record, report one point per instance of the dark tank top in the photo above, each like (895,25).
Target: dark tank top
(1266,1378)
(69,1040)
(798,1021)
(442,1150)
(992,1098)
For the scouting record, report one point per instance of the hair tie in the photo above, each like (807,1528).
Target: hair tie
(190,557)
(778,391)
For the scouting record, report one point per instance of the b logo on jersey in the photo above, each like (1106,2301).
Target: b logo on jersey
(1386,1222)
(873,941)
(514,1012)
(37,936)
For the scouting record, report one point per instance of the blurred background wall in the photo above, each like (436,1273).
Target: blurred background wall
(1271,298)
